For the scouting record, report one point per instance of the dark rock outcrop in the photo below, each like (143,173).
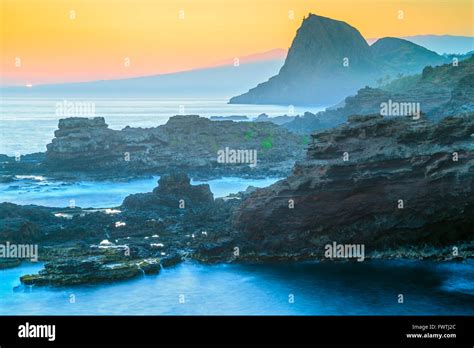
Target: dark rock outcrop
(184,143)
(91,269)
(382,182)
(147,232)
(279,120)
(353,201)
(170,191)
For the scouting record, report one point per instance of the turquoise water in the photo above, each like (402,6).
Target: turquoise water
(27,125)
(368,288)
(88,194)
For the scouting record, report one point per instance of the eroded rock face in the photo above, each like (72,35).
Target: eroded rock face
(329,60)
(378,181)
(173,191)
(149,231)
(185,143)
(313,72)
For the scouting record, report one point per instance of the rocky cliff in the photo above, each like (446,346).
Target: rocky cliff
(390,183)
(382,182)
(329,60)
(187,143)
(314,67)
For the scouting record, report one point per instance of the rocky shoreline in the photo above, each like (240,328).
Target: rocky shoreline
(147,232)
(348,189)
(87,148)
(383,182)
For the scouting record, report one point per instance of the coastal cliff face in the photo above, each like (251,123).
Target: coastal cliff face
(187,143)
(314,69)
(329,60)
(382,182)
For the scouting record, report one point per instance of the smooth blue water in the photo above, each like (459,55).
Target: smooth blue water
(367,288)
(102,194)
(27,125)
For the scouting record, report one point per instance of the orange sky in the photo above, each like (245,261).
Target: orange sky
(53,47)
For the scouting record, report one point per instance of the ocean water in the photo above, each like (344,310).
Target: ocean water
(40,190)
(27,125)
(367,288)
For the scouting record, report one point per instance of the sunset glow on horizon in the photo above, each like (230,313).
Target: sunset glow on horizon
(53,41)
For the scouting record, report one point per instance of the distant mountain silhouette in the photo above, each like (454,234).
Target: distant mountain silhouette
(274,54)
(444,44)
(315,67)
(223,79)
(441,44)
(329,60)
(403,56)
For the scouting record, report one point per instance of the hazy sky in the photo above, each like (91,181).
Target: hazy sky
(80,40)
